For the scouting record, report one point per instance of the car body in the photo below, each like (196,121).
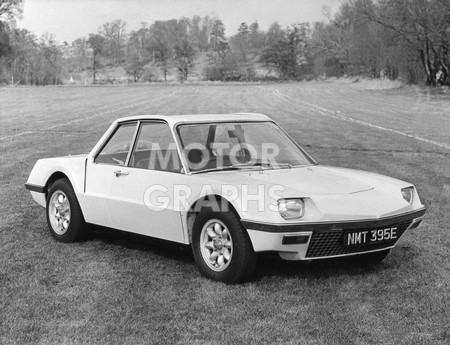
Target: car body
(229,185)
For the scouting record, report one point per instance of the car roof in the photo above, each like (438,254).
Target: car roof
(173,120)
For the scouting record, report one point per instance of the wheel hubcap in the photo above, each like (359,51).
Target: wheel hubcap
(216,245)
(59,212)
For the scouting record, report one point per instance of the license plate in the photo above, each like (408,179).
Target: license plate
(363,237)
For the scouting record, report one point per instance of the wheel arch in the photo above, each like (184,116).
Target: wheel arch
(76,229)
(210,200)
(57,175)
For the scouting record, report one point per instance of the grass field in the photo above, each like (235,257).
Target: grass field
(122,289)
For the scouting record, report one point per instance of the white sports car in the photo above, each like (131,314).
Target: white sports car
(228,185)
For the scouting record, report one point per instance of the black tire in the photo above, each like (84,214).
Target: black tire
(64,217)
(370,258)
(242,259)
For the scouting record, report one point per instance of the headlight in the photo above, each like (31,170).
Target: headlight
(408,194)
(291,208)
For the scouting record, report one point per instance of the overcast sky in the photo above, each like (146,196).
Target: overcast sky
(71,19)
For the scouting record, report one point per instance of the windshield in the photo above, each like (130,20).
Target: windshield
(239,145)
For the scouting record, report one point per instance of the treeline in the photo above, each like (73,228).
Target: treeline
(409,39)
(397,39)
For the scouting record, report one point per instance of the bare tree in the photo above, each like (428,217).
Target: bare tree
(137,53)
(10,9)
(97,44)
(161,45)
(423,25)
(115,39)
(184,47)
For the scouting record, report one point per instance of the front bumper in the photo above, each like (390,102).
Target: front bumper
(310,241)
(37,192)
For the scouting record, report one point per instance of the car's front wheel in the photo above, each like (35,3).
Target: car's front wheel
(64,216)
(221,247)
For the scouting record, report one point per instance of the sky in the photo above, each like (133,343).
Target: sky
(72,19)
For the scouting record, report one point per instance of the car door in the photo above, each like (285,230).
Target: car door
(134,178)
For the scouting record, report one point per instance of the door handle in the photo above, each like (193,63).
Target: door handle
(120,173)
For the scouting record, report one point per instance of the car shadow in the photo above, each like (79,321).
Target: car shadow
(166,249)
(268,264)
(271,265)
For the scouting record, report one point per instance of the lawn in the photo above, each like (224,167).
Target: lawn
(118,288)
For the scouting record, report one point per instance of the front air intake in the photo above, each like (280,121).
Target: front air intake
(331,242)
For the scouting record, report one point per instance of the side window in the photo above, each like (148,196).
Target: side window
(155,149)
(116,150)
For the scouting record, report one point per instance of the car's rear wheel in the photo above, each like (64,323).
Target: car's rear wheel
(221,247)
(64,216)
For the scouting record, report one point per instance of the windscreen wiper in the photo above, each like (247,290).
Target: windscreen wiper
(284,165)
(227,168)
(257,165)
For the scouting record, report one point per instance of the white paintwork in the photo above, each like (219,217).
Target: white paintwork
(71,166)
(271,241)
(331,194)
(122,198)
(39,198)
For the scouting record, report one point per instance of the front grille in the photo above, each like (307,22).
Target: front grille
(331,242)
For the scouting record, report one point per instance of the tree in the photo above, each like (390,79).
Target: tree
(243,29)
(97,44)
(4,39)
(10,9)
(50,64)
(80,47)
(114,34)
(274,34)
(206,27)
(33,61)
(333,44)
(137,54)
(184,54)
(196,32)
(135,67)
(350,43)
(23,59)
(241,40)
(257,37)
(244,47)
(421,26)
(287,50)
(77,56)
(218,57)
(254,27)
(184,48)
(161,43)
(218,42)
